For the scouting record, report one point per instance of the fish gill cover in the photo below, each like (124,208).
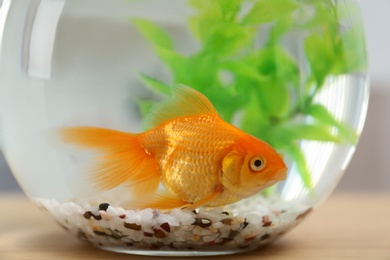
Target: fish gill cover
(267,85)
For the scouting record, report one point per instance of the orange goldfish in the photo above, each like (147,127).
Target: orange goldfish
(198,158)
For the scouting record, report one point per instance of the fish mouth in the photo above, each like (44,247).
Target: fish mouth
(280,175)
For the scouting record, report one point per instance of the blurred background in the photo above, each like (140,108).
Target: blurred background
(368,168)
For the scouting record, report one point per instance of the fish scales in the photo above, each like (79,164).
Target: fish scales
(190,153)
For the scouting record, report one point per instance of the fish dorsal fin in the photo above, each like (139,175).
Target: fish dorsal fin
(185,101)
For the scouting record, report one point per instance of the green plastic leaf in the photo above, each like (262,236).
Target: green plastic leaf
(244,70)
(230,8)
(209,13)
(264,11)
(176,62)
(323,15)
(280,72)
(295,152)
(279,29)
(322,114)
(275,98)
(283,135)
(228,106)
(202,72)
(206,6)
(226,38)
(145,105)
(253,118)
(155,84)
(221,9)
(354,55)
(163,46)
(153,33)
(320,54)
(314,132)
(275,61)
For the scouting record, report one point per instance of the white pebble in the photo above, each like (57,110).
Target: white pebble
(218,225)
(206,232)
(112,211)
(145,215)
(209,238)
(165,218)
(184,217)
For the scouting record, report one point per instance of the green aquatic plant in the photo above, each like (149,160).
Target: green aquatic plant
(251,77)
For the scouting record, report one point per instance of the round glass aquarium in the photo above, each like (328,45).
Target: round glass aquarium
(180,127)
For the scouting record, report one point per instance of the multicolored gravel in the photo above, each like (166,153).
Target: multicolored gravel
(228,228)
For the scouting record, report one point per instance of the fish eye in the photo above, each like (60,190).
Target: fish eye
(257,163)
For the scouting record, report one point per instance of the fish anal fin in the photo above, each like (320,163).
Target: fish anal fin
(145,188)
(205,200)
(185,101)
(113,170)
(162,200)
(122,159)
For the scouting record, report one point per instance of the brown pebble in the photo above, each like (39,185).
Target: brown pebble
(209,243)
(104,206)
(225,240)
(195,238)
(171,245)
(233,234)
(97,217)
(159,233)
(157,245)
(81,235)
(264,237)
(245,223)
(88,214)
(227,221)
(99,233)
(166,227)
(132,226)
(304,214)
(266,221)
(250,237)
(267,224)
(202,222)
(147,234)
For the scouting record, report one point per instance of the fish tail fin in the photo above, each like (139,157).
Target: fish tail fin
(122,159)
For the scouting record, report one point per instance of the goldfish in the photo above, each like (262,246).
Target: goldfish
(189,158)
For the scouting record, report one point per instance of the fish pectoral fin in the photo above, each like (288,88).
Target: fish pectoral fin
(205,200)
(163,200)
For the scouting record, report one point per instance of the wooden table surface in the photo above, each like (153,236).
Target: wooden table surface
(346,226)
